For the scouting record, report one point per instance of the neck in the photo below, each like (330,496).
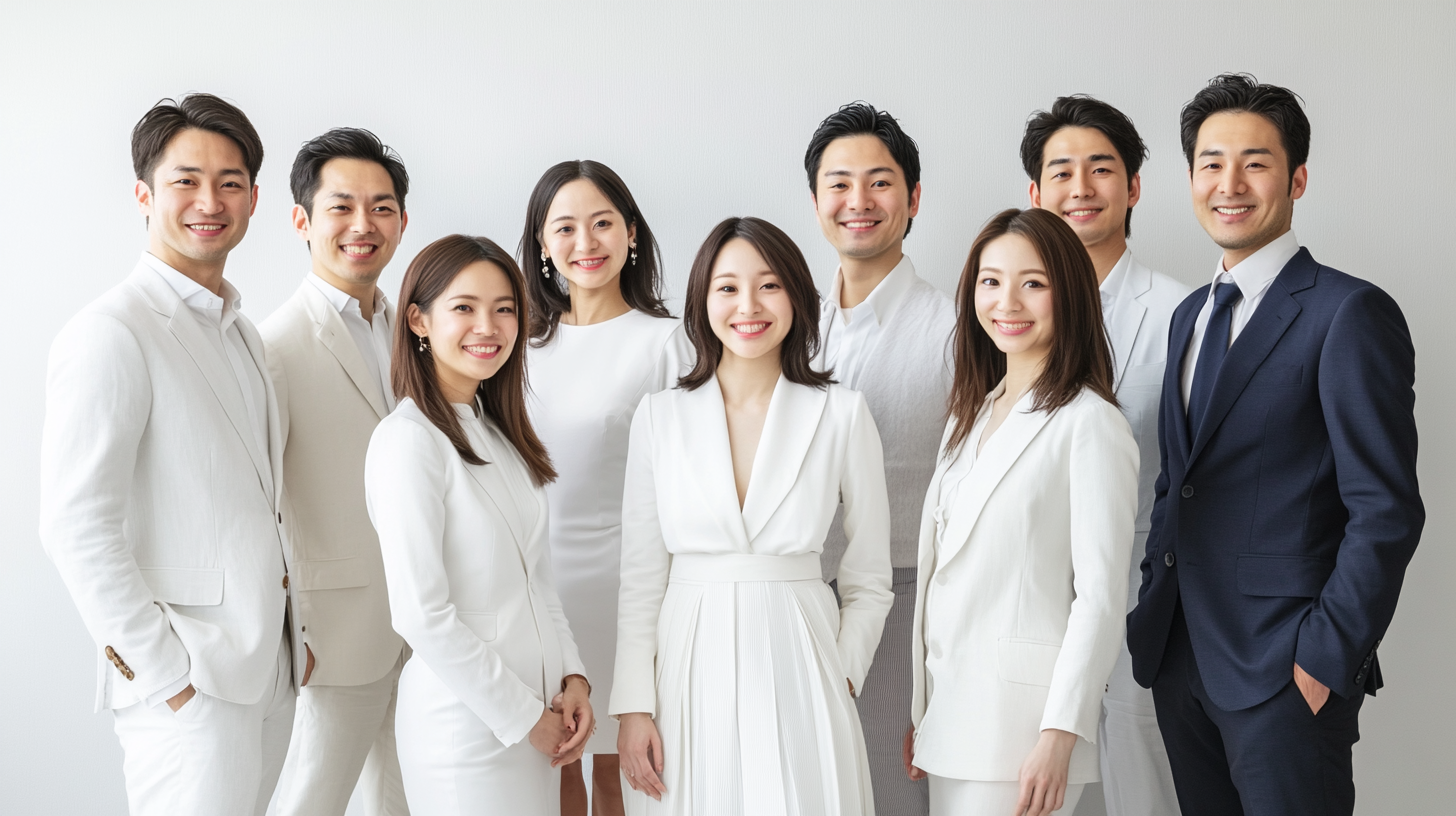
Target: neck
(1021,371)
(456,389)
(748,381)
(1234,257)
(360,291)
(597,305)
(1106,254)
(860,276)
(207,273)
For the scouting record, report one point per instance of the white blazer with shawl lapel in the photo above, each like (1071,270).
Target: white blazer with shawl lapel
(329,406)
(1025,573)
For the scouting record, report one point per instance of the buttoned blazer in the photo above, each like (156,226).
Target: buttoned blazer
(157,506)
(329,406)
(1138,333)
(469,570)
(1030,585)
(1285,523)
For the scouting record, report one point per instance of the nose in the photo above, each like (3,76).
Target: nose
(360,222)
(1081,185)
(748,303)
(208,201)
(1232,181)
(585,240)
(858,198)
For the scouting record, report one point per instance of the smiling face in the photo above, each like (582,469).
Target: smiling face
(861,198)
(471,329)
(1084,180)
(748,308)
(586,237)
(1014,300)
(1240,181)
(197,202)
(356,223)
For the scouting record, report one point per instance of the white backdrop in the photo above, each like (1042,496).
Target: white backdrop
(705,110)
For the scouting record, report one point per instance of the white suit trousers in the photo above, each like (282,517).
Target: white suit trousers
(211,757)
(964,797)
(343,736)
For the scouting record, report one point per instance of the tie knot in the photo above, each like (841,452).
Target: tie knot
(1226,294)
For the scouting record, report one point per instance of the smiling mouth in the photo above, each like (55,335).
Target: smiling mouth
(751,329)
(859,225)
(1007,327)
(359,250)
(1083,213)
(589,264)
(482,350)
(1232,210)
(206,229)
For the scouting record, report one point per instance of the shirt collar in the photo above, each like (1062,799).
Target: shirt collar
(1113,283)
(887,295)
(344,302)
(1256,272)
(194,294)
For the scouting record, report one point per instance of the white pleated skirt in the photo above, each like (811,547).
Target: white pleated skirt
(453,765)
(752,701)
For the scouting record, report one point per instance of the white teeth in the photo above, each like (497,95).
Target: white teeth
(1012,326)
(749,328)
(482,349)
(359,250)
(1232,210)
(1080,213)
(206,227)
(859,224)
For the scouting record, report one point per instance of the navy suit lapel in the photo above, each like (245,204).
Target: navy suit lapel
(1180,334)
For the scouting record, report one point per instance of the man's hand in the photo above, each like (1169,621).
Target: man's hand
(1316,694)
(907,753)
(180,699)
(308,666)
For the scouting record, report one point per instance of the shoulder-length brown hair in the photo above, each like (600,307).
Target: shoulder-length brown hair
(1079,357)
(785,260)
(502,397)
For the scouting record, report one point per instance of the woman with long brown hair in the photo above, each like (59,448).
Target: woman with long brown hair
(495,697)
(735,666)
(1025,534)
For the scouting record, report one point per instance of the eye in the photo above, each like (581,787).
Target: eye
(770,285)
(384,210)
(232,184)
(563,230)
(183,181)
(881,184)
(1213,166)
(990,282)
(463,308)
(339,208)
(728,289)
(1103,170)
(839,185)
(1034,284)
(506,310)
(603,224)
(1063,174)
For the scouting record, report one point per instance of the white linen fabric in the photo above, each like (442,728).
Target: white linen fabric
(726,634)
(374,338)
(965,797)
(471,591)
(1023,581)
(585,385)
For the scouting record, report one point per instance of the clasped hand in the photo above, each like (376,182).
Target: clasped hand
(1043,777)
(563,729)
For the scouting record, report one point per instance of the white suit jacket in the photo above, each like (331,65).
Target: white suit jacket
(329,405)
(153,505)
(469,569)
(1028,575)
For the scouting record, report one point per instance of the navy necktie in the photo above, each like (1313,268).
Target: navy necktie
(1211,353)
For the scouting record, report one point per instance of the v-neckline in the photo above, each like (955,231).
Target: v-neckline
(757,448)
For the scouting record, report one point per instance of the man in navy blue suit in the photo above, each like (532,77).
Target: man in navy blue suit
(1287,507)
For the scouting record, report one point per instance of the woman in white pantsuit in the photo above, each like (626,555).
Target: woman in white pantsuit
(734,665)
(454,482)
(1025,534)
(601,339)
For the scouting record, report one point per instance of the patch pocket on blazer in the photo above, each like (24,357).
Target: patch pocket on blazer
(1283,576)
(183,586)
(331,573)
(481,623)
(1030,662)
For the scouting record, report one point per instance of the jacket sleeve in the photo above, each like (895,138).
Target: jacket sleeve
(1103,495)
(98,405)
(1367,395)
(405,487)
(865,577)
(645,567)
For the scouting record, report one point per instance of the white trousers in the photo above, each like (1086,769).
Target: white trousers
(211,757)
(1136,777)
(343,736)
(964,797)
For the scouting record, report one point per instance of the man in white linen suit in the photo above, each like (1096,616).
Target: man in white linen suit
(1083,158)
(161,483)
(329,348)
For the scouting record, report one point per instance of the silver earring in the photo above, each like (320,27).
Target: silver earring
(634,256)
(545,270)
(424,344)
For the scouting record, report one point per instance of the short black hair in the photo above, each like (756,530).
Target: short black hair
(202,111)
(1080,110)
(343,143)
(860,119)
(1243,93)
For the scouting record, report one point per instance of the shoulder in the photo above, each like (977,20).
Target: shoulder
(289,323)
(1164,293)
(925,299)
(844,402)
(1090,407)
(407,426)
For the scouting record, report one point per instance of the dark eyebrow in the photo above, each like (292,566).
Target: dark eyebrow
(871,171)
(1101,157)
(1054,162)
(232,171)
(569,216)
(1257,151)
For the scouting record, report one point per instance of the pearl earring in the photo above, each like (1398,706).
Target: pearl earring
(424,344)
(545,270)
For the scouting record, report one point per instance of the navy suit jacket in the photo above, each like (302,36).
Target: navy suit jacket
(1286,523)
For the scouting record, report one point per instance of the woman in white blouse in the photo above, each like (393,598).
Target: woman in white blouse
(454,482)
(601,340)
(734,665)
(1025,534)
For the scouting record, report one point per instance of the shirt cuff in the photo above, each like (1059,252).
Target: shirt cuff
(170,690)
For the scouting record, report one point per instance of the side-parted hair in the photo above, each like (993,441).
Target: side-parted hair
(784,259)
(1079,357)
(167,118)
(861,119)
(343,143)
(1080,110)
(502,397)
(641,282)
(1243,93)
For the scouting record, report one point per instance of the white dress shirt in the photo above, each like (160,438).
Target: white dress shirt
(219,315)
(375,338)
(1110,288)
(1253,276)
(850,339)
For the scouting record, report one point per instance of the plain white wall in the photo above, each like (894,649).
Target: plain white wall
(705,110)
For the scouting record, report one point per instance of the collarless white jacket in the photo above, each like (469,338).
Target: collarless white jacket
(153,500)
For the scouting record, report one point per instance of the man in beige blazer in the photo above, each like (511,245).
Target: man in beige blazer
(161,486)
(329,349)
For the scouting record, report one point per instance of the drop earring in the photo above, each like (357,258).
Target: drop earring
(424,344)
(545,270)
(634,255)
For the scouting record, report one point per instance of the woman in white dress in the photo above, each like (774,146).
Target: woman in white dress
(735,667)
(1025,534)
(601,340)
(454,482)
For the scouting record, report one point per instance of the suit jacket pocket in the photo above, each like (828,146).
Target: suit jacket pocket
(332,573)
(1030,662)
(185,586)
(1283,576)
(481,623)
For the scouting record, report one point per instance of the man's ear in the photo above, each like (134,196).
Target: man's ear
(1033,192)
(253,207)
(915,200)
(1299,181)
(143,193)
(1134,190)
(300,221)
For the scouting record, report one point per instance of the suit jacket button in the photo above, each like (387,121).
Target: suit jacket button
(1360,679)
(1187,491)
(285,582)
(1168,559)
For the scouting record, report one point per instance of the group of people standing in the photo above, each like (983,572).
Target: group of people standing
(519,540)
